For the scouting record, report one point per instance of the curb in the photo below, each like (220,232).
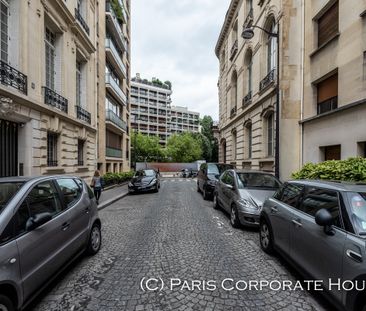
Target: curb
(111,201)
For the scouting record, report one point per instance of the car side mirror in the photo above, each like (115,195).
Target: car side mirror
(38,220)
(324,218)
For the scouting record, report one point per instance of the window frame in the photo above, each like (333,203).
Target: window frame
(52,157)
(50,38)
(4,5)
(270,129)
(61,194)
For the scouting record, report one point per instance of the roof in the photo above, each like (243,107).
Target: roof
(32,178)
(252,171)
(334,185)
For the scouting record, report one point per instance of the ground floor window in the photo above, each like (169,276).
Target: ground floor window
(362,149)
(81,152)
(52,139)
(332,152)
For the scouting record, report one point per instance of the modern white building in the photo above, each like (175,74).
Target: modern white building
(183,120)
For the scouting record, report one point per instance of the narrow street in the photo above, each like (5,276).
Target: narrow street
(171,234)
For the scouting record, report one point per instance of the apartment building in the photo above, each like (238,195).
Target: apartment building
(48,115)
(334,110)
(183,120)
(260,77)
(114,86)
(150,107)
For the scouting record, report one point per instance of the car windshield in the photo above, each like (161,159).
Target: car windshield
(257,180)
(7,191)
(145,173)
(358,216)
(217,169)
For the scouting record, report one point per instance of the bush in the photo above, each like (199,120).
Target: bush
(353,169)
(117,178)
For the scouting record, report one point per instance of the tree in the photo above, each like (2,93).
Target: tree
(145,148)
(208,142)
(184,148)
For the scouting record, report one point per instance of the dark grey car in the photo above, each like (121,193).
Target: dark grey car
(45,222)
(320,227)
(242,193)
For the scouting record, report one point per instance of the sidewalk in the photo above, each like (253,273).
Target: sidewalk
(112,195)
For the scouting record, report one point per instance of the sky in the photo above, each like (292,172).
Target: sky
(175,40)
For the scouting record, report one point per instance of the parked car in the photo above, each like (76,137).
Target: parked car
(144,180)
(184,173)
(320,227)
(208,176)
(45,223)
(242,193)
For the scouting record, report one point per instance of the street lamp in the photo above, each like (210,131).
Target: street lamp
(248,33)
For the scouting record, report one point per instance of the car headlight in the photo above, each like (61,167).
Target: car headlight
(153,181)
(248,204)
(130,184)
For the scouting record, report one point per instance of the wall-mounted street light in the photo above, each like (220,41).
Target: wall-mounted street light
(247,34)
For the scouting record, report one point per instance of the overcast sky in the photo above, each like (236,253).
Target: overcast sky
(175,40)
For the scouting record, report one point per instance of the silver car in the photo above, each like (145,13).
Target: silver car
(320,227)
(242,193)
(45,222)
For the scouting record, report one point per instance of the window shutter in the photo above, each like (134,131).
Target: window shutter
(328,24)
(328,88)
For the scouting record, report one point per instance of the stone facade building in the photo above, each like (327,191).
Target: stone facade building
(113,73)
(248,80)
(48,115)
(334,110)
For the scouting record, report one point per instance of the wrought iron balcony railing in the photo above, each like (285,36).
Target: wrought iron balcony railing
(247,99)
(83,115)
(115,119)
(268,80)
(81,20)
(234,49)
(53,99)
(12,77)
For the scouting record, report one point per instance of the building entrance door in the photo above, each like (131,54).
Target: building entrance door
(8,148)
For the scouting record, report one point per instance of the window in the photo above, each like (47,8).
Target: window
(364,65)
(332,152)
(328,25)
(43,198)
(81,152)
(271,49)
(315,199)
(291,194)
(50,41)
(234,148)
(257,180)
(70,190)
(328,94)
(358,212)
(249,139)
(78,84)
(234,91)
(362,149)
(227,179)
(4,31)
(52,139)
(270,136)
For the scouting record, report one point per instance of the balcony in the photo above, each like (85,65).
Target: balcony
(233,112)
(116,120)
(113,85)
(268,80)
(113,152)
(249,19)
(234,49)
(247,99)
(328,105)
(116,58)
(11,77)
(115,26)
(81,20)
(53,99)
(83,115)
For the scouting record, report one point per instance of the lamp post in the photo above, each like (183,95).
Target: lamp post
(248,33)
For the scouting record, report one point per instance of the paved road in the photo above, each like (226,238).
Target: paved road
(174,234)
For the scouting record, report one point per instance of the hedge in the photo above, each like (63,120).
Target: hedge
(117,178)
(352,169)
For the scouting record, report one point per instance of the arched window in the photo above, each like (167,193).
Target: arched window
(249,71)
(270,134)
(271,48)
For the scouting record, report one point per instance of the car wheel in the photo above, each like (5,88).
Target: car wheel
(266,237)
(156,188)
(234,218)
(216,204)
(198,188)
(6,304)
(95,240)
(205,194)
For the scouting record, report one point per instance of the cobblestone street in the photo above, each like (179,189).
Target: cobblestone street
(171,234)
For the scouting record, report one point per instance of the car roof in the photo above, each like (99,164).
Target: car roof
(31,178)
(251,171)
(333,185)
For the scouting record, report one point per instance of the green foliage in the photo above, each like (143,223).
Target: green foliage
(117,8)
(117,178)
(145,148)
(353,169)
(184,148)
(209,144)
(169,84)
